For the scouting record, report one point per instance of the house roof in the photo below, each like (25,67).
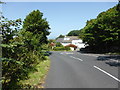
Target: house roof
(67,40)
(52,44)
(59,39)
(71,45)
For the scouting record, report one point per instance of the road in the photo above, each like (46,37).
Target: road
(77,70)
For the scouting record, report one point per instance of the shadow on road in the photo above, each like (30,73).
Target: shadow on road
(112,60)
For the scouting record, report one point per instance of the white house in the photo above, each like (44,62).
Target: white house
(72,41)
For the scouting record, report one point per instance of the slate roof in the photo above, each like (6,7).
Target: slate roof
(61,40)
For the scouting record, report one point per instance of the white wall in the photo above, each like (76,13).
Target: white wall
(78,43)
(72,48)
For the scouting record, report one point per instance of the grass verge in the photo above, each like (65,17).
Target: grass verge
(37,78)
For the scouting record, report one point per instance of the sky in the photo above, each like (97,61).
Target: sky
(62,16)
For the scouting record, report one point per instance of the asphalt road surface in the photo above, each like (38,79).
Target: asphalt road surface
(76,70)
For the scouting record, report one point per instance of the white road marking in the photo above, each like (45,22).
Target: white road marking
(76,58)
(90,55)
(69,53)
(107,73)
(61,53)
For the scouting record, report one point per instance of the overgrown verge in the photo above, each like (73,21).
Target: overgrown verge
(22,48)
(37,79)
(61,49)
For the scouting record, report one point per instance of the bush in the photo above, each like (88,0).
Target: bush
(22,48)
(61,48)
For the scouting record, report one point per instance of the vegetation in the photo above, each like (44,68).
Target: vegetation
(60,36)
(74,33)
(60,47)
(22,48)
(103,33)
(37,78)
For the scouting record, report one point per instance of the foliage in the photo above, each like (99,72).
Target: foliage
(60,36)
(61,48)
(37,25)
(22,48)
(74,33)
(51,40)
(58,44)
(79,33)
(103,33)
(36,79)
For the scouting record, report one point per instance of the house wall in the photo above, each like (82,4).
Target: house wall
(72,48)
(78,43)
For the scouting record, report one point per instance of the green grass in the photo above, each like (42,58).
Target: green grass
(37,78)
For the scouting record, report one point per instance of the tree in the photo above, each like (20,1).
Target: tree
(22,49)
(102,33)
(60,36)
(36,24)
(74,33)
(11,64)
(81,34)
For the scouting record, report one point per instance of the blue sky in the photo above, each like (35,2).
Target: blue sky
(62,16)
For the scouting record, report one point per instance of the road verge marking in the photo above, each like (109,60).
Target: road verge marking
(107,73)
(76,58)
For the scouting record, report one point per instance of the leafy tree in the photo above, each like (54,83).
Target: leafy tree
(60,36)
(11,64)
(74,33)
(102,33)
(58,44)
(81,34)
(22,49)
(51,40)
(35,23)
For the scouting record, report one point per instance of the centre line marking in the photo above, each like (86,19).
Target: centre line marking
(76,58)
(107,73)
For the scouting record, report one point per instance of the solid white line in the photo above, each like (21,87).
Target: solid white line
(107,73)
(69,53)
(61,53)
(76,58)
(90,55)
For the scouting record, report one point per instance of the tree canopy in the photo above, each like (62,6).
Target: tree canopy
(74,33)
(60,36)
(35,23)
(103,33)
